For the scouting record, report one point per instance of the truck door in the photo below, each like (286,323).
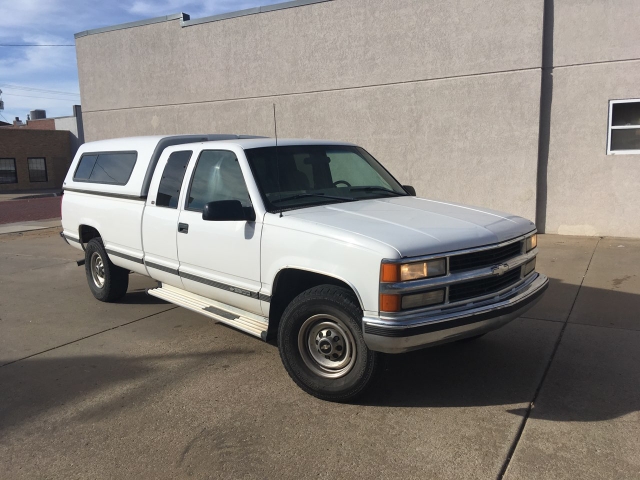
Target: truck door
(160,219)
(219,259)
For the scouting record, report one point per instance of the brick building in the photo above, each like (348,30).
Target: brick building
(33,159)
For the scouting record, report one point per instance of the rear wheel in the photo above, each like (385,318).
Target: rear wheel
(322,347)
(108,282)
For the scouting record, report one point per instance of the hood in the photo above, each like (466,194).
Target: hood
(416,226)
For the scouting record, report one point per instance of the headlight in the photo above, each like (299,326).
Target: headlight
(532,242)
(393,272)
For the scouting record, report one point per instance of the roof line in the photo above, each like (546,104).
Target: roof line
(185,19)
(165,18)
(252,11)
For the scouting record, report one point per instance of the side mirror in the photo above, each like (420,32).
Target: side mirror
(228,211)
(410,190)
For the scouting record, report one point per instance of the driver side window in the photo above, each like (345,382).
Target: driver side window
(217,176)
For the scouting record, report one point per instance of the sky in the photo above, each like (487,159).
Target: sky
(47,77)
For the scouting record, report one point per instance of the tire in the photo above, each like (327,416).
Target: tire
(331,317)
(107,282)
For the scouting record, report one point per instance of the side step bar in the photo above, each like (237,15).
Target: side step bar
(234,317)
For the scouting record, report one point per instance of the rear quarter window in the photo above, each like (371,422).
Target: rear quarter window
(110,167)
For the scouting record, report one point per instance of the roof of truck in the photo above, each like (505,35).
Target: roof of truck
(152,140)
(149,149)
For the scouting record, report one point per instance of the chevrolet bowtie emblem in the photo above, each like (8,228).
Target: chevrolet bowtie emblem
(500,269)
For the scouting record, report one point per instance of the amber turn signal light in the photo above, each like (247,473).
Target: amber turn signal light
(390,272)
(389,303)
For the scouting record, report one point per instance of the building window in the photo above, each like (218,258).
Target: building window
(8,170)
(37,169)
(624,127)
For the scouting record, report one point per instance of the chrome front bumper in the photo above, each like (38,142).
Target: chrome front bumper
(411,331)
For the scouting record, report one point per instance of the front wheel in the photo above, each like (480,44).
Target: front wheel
(322,347)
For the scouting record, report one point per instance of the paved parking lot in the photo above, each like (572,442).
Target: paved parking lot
(143,389)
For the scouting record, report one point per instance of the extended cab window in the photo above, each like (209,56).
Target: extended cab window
(113,167)
(171,182)
(217,177)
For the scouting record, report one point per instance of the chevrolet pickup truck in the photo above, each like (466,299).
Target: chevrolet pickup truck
(312,243)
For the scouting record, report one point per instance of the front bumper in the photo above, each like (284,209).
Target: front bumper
(402,334)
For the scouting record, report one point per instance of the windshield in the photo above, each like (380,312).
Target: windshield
(306,175)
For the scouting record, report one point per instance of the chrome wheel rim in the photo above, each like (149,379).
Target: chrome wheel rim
(97,269)
(327,346)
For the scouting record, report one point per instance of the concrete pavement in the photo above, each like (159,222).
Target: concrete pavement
(29,225)
(6,196)
(143,389)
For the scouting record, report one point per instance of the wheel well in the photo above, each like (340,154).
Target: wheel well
(87,233)
(288,284)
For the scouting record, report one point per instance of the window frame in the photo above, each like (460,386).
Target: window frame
(98,155)
(15,170)
(193,176)
(186,169)
(46,172)
(610,127)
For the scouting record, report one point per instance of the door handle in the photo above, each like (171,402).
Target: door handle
(183,228)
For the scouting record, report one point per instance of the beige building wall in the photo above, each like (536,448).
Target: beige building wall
(445,94)
(596,58)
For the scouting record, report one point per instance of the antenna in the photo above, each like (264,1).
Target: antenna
(275,128)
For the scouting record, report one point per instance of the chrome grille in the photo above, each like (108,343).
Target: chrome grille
(484,258)
(485,286)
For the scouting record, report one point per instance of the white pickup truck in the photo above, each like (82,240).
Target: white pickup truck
(310,242)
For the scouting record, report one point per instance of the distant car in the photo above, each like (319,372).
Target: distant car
(310,241)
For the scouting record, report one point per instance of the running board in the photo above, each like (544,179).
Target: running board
(234,317)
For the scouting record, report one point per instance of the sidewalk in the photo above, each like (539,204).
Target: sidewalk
(28,226)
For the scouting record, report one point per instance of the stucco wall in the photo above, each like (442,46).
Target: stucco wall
(332,45)
(596,58)
(444,93)
(595,31)
(590,192)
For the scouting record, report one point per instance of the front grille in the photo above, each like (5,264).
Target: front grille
(484,258)
(485,286)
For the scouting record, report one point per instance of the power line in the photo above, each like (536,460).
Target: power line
(36,45)
(37,96)
(39,90)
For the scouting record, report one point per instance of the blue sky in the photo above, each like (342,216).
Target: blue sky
(55,22)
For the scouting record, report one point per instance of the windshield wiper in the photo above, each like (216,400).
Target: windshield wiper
(305,195)
(373,189)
